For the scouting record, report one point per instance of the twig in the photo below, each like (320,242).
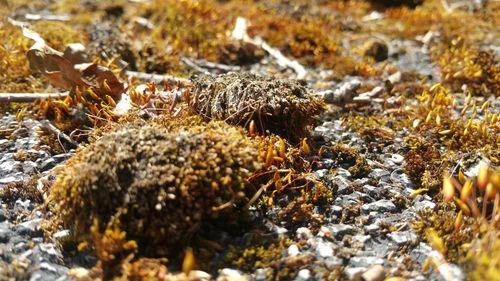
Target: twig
(29,97)
(36,17)
(205,65)
(240,33)
(193,65)
(157,77)
(47,125)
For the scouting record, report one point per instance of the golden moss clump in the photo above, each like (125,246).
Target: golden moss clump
(283,107)
(483,258)
(161,186)
(462,64)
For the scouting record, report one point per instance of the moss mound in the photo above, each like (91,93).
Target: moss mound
(161,186)
(283,107)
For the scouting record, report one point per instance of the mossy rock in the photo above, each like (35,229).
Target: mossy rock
(161,186)
(280,106)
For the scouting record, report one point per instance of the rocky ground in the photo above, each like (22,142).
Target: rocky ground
(365,229)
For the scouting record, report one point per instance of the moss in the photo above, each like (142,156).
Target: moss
(348,158)
(297,213)
(482,260)
(22,190)
(156,184)
(420,159)
(283,107)
(463,64)
(271,255)
(442,223)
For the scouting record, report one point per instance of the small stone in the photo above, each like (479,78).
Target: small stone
(48,164)
(5,235)
(29,228)
(304,233)
(293,250)
(3,216)
(261,274)
(374,273)
(10,167)
(333,262)
(229,274)
(200,275)
(336,210)
(23,204)
(61,234)
(50,252)
(5,144)
(380,206)
(339,230)
(345,92)
(20,133)
(425,204)
(371,190)
(62,157)
(378,173)
(372,228)
(354,273)
(342,184)
(397,158)
(361,238)
(343,172)
(324,250)
(365,261)
(376,49)
(403,238)
(303,275)
(320,174)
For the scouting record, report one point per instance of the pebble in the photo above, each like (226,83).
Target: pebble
(3,216)
(5,234)
(303,275)
(354,273)
(344,92)
(324,249)
(372,228)
(48,164)
(293,250)
(380,206)
(304,233)
(342,184)
(261,274)
(29,228)
(378,173)
(424,204)
(5,144)
(229,274)
(374,273)
(371,190)
(403,238)
(339,230)
(365,261)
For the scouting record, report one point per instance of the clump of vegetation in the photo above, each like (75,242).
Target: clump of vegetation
(23,190)
(348,158)
(422,159)
(462,64)
(466,230)
(282,107)
(271,255)
(161,187)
